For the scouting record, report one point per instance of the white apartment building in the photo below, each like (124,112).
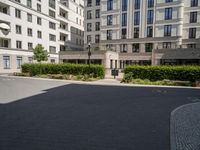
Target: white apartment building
(138,29)
(56,24)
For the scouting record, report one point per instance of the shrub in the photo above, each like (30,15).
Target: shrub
(94,71)
(155,73)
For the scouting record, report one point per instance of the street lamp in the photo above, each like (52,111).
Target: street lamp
(89,53)
(4,26)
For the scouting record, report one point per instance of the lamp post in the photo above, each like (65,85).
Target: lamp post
(89,53)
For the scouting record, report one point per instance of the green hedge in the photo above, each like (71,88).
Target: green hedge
(70,69)
(155,73)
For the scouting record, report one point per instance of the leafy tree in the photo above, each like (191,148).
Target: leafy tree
(40,54)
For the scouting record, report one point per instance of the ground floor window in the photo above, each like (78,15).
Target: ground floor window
(6,62)
(180,61)
(19,62)
(30,59)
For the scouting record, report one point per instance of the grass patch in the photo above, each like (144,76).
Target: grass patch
(160,82)
(61,76)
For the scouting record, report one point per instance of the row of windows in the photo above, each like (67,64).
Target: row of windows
(89,26)
(29,16)
(89,14)
(30,33)
(89,3)
(150,17)
(136,47)
(97,38)
(137,4)
(19,61)
(167,32)
(7,64)
(52,4)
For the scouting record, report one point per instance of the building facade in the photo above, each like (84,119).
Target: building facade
(55,24)
(135,28)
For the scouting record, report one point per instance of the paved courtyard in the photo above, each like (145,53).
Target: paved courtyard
(57,115)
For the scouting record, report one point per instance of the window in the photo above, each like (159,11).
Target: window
(53,61)
(17,13)
(124,5)
(18,29)
(52,13)
(137,18)
(123,48)
(150,17)
(109,20)
(168,13)
(97,38)
(29,3)
(30,46)
(4,43)
(89,39)
(19,44)
(52,37)
(148,47)
(52,49)
(19,1)
(30,60)
(39,34)
(39,21)
(89,27)
(137,4)
(110,5)
(30,32)
(52,4)
(52,25)
(124,19)
(191,45)
(150,3)
(97,13)
(167,30)
(192,33)
(29,17)
(136,32)
(97,2)
(89,3)
(194,3)
(149,31)
(168,1)
(97,26)
(6,62)
(89,14)
(109,34)
(39,7)
(167,45)
(124,33)
(19,62)
(136,48)
(193,17)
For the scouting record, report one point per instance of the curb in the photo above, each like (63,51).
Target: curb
(104,84)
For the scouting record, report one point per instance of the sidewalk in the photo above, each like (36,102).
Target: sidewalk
(185,127)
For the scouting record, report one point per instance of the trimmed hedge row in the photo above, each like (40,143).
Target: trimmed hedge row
(155,73)
(70,69)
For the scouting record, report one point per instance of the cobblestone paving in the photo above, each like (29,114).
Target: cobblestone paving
(185,128)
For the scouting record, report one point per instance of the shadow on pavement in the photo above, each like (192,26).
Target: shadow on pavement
(90,117)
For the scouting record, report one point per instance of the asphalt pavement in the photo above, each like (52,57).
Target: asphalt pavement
(57,115)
